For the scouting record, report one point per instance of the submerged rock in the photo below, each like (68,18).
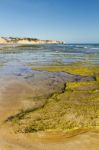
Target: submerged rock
(43,83)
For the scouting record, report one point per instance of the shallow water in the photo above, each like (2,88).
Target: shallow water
(50,54)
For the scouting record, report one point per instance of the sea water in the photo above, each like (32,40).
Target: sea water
(26,55)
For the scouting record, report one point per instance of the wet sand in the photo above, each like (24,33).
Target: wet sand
(42,141)
(17,92)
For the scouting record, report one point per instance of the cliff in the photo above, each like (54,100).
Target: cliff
(11,40)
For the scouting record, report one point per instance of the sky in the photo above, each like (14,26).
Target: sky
(67,20)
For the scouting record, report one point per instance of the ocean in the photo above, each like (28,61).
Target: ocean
(39,55)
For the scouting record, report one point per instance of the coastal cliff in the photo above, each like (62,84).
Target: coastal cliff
(12,40)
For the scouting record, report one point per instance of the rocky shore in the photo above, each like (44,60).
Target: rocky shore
(49,108)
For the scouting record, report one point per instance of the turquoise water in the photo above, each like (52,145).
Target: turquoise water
(50,54)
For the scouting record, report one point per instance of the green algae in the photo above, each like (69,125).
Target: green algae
(74,68)
(77,107)
(73,109)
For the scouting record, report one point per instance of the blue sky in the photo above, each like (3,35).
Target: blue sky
(68,20)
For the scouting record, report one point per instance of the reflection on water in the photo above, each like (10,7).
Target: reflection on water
(49,54)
